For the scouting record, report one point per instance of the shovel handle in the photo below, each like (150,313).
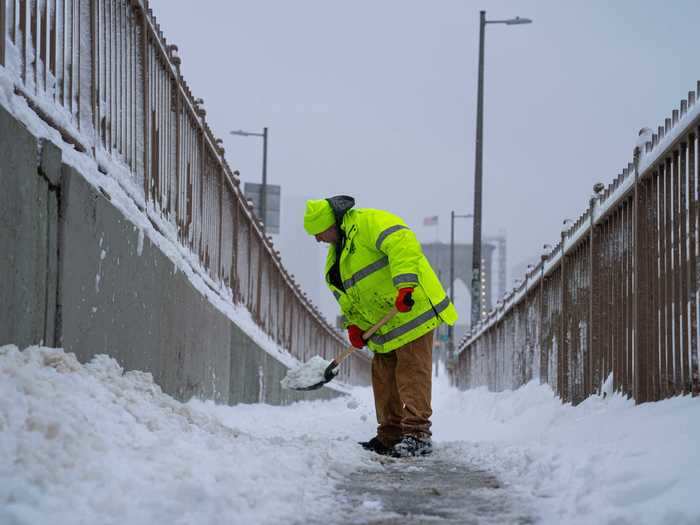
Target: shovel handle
(384,320)
(369,333)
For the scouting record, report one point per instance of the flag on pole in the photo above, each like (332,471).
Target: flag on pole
(430,221)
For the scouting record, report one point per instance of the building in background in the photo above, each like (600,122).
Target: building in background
(252,192)
(438,253)
(499,281)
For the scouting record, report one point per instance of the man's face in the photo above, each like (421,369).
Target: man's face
(329,236)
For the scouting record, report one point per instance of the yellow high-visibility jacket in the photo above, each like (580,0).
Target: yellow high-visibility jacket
(380,255)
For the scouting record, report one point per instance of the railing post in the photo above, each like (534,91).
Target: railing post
(683,299)
(529,346)
(249,299)
(25,31)
(202,231)
(3,30)
(35,38)
(619,302)
(146,110)
(633,270)
(692,240)
(544,354)
(178,162)
(235,282)
(677,348)
(666,320)
(592,362)
(648,292)
(94,71)
(562,357)
(640,355)
(45,42)
(654,301)
(220,240)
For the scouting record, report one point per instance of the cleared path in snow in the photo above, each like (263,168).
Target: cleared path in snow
(427,490)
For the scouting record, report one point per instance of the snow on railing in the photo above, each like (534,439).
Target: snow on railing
(102,73)
(616,294)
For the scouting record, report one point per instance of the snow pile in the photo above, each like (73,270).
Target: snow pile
(603,461)
(310,373)
(92,444)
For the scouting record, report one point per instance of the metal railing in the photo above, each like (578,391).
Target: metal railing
(102,73)
(617,295)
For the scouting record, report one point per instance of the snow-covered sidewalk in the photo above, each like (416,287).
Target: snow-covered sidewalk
(604,461)
(91,444)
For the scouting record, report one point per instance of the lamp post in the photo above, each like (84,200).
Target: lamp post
(450,328)
(476,239)
(263,187)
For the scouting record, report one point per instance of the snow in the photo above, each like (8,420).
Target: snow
(92,444)
(604,461)
(310,373)
(139,243)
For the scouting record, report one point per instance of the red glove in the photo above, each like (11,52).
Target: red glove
(404,301)
(355,335)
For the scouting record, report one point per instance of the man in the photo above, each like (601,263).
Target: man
(374,262)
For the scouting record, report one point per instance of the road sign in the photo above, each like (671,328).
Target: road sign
(272,204)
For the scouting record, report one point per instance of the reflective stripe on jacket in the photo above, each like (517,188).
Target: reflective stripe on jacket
(381,255)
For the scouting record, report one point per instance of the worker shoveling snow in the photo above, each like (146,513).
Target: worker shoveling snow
(308,376)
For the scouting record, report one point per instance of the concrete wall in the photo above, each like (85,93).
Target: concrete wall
(28,219)
(74,276)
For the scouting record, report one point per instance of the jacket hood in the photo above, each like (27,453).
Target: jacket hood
(340,204)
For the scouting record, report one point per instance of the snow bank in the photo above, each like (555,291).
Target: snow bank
(604,461)
(92,444)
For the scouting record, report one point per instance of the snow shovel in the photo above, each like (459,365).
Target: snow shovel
(316,372)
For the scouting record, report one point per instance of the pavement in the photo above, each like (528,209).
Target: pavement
(427,490)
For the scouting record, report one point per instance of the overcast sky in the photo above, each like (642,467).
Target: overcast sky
(377,99)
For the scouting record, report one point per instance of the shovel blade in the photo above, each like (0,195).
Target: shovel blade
(296,380)
(328,376)
(307,388)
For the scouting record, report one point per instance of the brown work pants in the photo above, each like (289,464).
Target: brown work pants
(402,383)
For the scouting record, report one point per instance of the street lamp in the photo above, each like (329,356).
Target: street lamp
(263,187)
(476,239)
(450,328)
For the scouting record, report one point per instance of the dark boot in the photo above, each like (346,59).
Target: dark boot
(410,446)
(376,446)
